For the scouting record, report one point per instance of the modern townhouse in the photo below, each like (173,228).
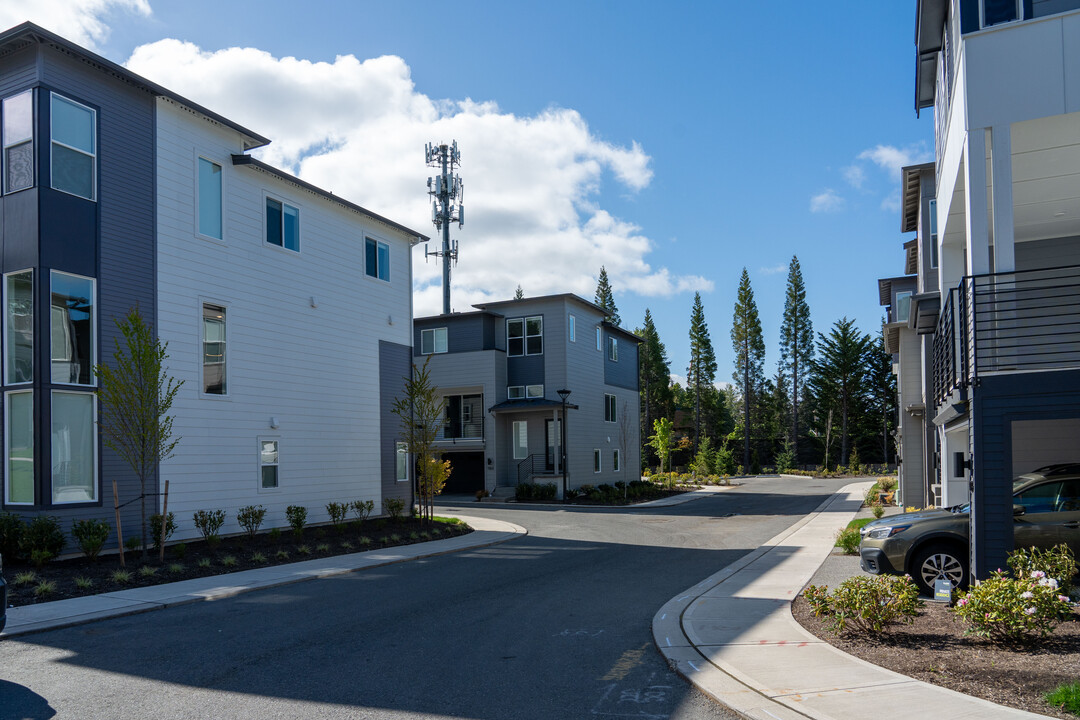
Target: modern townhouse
(504,370)
(286,309)
(1003,80)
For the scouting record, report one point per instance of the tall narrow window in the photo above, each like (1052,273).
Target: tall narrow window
(610,405)
(209,199)
(19,141)
(615,463)
(613,349)
(933,234)
(599,338)
(214,350)
(573,329)
(521,439)
(72,329)
(433,341)
(377,259)
(74,147)
(282,225)
(19,447)
(596,464)
(515,337)
(903,306)
(19,325)
(401,462)
(534,335)
(74,448)
(268,464)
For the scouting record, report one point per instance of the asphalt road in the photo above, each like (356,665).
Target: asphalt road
(556,624)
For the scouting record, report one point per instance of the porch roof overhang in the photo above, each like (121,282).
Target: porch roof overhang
(911,256)
(925,308)
(910,183)
(891,332)
(528,405)
(929,30)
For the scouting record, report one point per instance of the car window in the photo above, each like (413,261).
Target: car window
(1070,496)
(1039,499)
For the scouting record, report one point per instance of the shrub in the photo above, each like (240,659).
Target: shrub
(179,550)
(155,529)
(42,540)
(83,583)
(209,522)
(571,493)
(121,577)
(866,604)
(250,517)
(394,507)
(133,543)
(203,563)
(303,550)
(1007,610)
(848,539)
(147,571)
(362,509)
(12,528)
(175,568)
(282,555)
(322,547)
(878,510)
(886,484)
(258,557)
(1057,562)
(337,512)
(346,545)
(90,536)
(481,494)
(1065,697)
(365,541)
(297,516)
(44,588)
(228,561)
(28,577)
(275,534)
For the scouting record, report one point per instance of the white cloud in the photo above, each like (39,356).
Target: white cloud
(855,176)
(77,20)
(826,201)
(891,158)
(358,128)
(774,270)
(891,202)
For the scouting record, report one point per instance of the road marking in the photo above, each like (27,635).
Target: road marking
(627,662)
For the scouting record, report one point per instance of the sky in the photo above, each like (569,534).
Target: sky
(672,143)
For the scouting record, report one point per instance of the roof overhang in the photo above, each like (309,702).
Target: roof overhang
(910,183)
(929,29)
(911,256)
(891,333)
(885,288)
(533,405)
(924,313)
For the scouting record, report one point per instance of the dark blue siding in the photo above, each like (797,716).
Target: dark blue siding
(465,333)
(527,370)
(969,16)
(395,365)
(624,373)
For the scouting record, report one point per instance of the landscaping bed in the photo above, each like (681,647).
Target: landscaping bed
(76,577)
(934,649)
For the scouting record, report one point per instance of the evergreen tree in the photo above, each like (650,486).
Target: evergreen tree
(702,369)
(519,294)
(796,345)
(883,405)
(606,300)
(840,377)
(654,375)
(749,346)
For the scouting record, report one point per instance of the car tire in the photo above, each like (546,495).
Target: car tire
(939,561)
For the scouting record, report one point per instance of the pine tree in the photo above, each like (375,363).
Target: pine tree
(749,349)
(883,405)
(840,377)
(702,369)
(655,375)
(796,345)
(519,294)
(606,300)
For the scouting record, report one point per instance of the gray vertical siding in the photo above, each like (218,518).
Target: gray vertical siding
(1054,252)
(395,364)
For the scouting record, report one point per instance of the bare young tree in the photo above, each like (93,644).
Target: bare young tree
(422,412)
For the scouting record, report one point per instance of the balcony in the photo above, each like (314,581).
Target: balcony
(1026,321)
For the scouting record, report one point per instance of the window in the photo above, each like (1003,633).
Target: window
(596,461)
(19,326)
(377,259)
(19,447)
(268,464)
(903,306)
(615,466)
(994,12)
(214,349)
(74,448)
(599,338)
(464,417)
(74,147)
(72,329)
(401,462)
(433,341)
(282,225)
(521,439)
(610,405)
(613,350)
(573,329)
(515,392)
(525,336)
(933,234)
(209,199)
(534,391)
(19,141)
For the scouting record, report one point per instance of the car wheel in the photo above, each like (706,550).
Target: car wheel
(939,561)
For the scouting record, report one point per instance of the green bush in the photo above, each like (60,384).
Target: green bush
(1057,562)
(297,516)
(12,528)
(536,491)
(362,509)
(1007,610)
(133,543)
(878,510)
(394,507)
(209,522)
(848,539)
(250,517)
(1065,697)
(90,536)
(337,512)
(785,460)
(42,540)
(866,603)
(155,528)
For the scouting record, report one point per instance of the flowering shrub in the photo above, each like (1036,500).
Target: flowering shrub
(1006,609)
(866,604)
(1057,562)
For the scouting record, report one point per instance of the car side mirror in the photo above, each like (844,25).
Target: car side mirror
(1018,510)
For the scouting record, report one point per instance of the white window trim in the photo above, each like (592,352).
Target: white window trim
(199,349)
(529,395)
(933,234)
(524,320)
(94,155)
(93,333)
(259,464)
(33,145)
(908,294)
(982,15)
(573,328)
(284,204)
(614,405)
(613,349)
(195,200)
(434,341)
(616,461)
(599,338)
(598,461)
(7,447)
(389,264)
(398,447)
(514,439)
(94,421)
(7,325)
(515,387)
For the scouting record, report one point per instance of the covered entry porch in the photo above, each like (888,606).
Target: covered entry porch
(528,444)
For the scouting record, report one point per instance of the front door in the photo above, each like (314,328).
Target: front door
(552,442)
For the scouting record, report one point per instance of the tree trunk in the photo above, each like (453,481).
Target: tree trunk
(746,407)
(844,428)
(142,508)
(795,405)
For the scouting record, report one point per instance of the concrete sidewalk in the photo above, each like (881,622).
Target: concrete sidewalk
(75,611)
(733,636)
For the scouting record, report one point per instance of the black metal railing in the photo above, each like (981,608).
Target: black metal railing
(1021,321)
(535,464)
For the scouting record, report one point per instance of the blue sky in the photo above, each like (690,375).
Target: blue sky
(675,143)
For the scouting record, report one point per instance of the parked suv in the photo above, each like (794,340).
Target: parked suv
(933,544)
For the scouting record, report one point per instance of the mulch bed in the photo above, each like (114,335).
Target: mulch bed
(320,541)
(934,649)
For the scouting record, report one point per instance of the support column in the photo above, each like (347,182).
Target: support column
(976,212)
(1004,226)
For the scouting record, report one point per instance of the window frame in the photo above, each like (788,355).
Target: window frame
(616,461)
(5,145)
(199,159)
(933,234)
(7,449)
(276,487)
(93,155)
(201,349)
(525,336)
(572,328)
(1017,4)
(611,408)
(908,294)
(7,341)
(598,461)
(534,392)
(93,331)
(599,339)
(401,450)
(434,334)
(514,437)
(267,199)
(613,349)
(378,274)
(95,483)
(513,395)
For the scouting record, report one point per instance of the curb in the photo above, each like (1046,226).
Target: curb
(77,611)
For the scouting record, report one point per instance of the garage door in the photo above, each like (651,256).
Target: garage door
(467,474)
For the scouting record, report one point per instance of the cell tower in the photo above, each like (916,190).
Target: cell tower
(446,193)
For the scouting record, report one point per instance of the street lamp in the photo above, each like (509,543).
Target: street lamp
(563,394)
